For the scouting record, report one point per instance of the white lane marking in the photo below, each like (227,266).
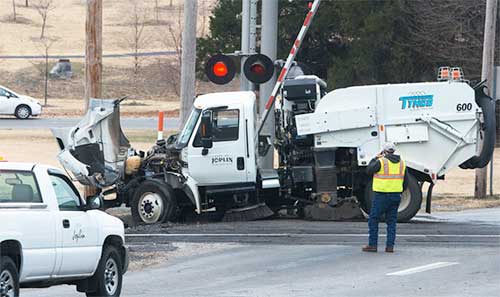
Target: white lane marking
(306,235)
(422,268)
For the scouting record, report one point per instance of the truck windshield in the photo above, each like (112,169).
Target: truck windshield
(185,135)
(18,187)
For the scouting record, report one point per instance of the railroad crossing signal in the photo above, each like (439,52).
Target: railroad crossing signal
(258,68)
(220,69)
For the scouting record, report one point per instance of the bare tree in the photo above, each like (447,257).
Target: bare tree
(137,39)
(14,14)
(447,32)
(171,36)
(44,45)
(27,4)
(44,7)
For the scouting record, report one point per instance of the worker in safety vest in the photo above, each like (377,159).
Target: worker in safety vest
(389,171)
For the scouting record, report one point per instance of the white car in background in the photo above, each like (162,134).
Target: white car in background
(21,106)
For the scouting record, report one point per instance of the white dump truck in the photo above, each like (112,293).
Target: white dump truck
(49,236)
(324,142)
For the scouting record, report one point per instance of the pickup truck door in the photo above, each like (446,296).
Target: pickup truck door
(226,162)
(25,216)
(79,250)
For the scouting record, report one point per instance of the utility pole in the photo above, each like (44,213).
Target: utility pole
(245,41)
(269,47)
(93,51)
(188,66)
(487,74)
(93,60)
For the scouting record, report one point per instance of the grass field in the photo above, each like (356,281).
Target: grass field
(454,193)
(66,24)
(155,79)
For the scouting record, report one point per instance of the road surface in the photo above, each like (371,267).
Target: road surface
(127,123)
(441,255)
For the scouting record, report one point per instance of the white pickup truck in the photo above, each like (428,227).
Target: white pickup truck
(49,236)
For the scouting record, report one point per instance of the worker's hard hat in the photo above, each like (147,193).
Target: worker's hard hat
(389,147)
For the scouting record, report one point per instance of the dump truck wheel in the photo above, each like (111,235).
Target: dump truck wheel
(411,200)
(153,202)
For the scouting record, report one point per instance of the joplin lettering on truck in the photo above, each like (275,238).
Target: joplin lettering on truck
(49,236)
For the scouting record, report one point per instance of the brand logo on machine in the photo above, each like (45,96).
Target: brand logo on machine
(416,101)
(222,160)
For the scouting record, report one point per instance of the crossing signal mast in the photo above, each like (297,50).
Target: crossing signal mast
(258,68)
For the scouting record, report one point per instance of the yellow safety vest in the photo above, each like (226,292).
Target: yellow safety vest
(390,177)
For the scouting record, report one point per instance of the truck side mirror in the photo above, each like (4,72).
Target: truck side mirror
(206,131)
(172,139)
(95,202)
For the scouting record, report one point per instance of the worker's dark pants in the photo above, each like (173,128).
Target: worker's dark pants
(384,203)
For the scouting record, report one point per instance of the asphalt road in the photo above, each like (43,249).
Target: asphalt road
(454,254)
(127,123)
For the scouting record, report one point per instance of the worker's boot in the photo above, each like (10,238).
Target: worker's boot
(369,248)
(389,249)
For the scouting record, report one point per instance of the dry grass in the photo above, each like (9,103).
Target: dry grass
(129,108)
(460,183)
(157,78)
(39,146)
(455,203)
(66,23)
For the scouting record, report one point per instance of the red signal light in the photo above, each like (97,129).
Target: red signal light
(220,69)
(258,69)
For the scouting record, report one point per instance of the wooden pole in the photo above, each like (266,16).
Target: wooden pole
(487,73)
(93,60)
(93,51)
(14,10)
(188,71)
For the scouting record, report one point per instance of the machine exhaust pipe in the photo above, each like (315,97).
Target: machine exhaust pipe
(487,104)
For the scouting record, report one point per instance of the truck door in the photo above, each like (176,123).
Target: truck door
(226,161)
(79,250)
(31,220)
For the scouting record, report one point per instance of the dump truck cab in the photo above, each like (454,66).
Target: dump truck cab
(228,149)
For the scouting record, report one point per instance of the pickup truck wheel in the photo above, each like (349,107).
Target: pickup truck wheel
(153,202)
(9,278)
(108,276)
(411,200)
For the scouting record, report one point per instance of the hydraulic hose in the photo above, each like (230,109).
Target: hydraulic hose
(488,127)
